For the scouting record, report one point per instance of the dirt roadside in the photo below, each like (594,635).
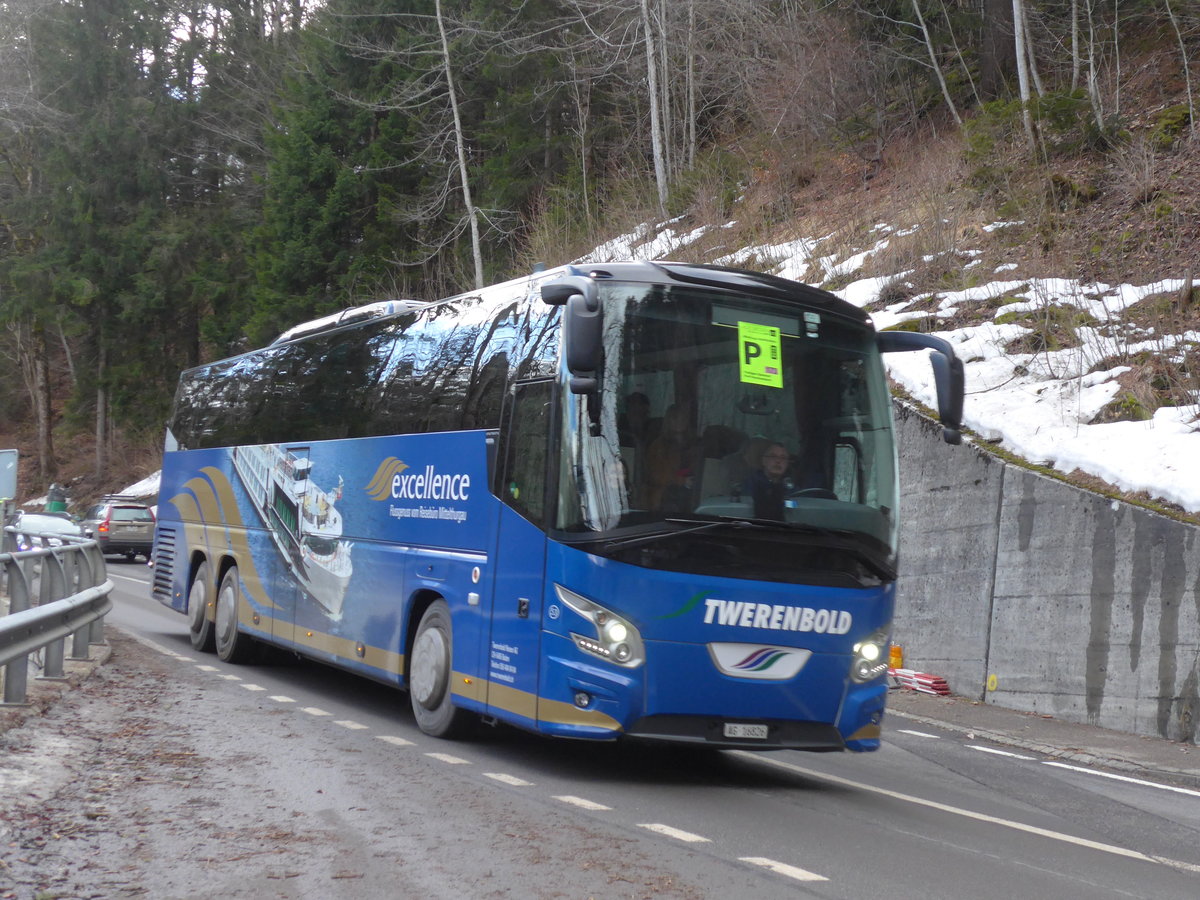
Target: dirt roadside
(146,780)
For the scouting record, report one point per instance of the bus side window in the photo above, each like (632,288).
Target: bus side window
(525,468)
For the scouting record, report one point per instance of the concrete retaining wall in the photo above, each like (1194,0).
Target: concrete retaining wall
(1031,594)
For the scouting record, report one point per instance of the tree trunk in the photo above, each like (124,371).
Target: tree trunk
(34,354)
(102,436)
(1187,70)
(691,84)
(1116,59)
(460,146)
(1076,58)
(1092,78)
(996,58)
(1023,69)
(660,168)
(933,61)
(1034,78)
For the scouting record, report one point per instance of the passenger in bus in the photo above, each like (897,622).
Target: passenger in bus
(769,484)
(744,462)
(670,458)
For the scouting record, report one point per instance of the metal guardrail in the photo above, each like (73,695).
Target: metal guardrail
(52,592)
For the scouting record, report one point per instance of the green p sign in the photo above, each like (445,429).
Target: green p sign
(759,355)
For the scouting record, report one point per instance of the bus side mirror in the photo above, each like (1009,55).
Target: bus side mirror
(947,375)
(583,338)
(582,329)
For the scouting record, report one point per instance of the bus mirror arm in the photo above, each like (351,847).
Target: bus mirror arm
(947,375)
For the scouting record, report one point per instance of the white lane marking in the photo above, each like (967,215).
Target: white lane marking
(918,733)
(582,803)
(204,668)
(395,741)
(982,749)
(350,724)
(109,573)
(667,830)
(447,758)
(253,687)
(314,711)
(281,698)
(783,869)
(231,677)
(968,814)
(508,779)
(1161,787)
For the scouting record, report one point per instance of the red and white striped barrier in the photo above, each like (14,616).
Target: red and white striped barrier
(918,681)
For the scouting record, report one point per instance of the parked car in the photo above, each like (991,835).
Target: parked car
(38,529)
(121,525)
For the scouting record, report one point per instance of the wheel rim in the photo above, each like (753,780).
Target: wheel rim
(429,667)
(226,612)
(197,600)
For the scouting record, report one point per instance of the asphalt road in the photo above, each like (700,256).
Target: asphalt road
(170,774)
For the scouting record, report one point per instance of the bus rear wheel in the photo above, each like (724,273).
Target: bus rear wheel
(232,645)
(200,626)
(429,676)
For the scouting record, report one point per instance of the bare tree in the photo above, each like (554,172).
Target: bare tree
(1020,34)
(933,62)
(656,137)
(460,148)
(1187,68)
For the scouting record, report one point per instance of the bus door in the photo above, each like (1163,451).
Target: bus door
(514,647)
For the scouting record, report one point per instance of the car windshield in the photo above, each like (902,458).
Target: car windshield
(695,426)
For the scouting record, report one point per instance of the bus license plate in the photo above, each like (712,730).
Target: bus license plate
(739,730)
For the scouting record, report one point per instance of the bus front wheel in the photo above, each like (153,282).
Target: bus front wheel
(200,626)
(429,675)
(232,645)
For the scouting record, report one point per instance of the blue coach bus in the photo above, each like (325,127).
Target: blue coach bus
(647,500)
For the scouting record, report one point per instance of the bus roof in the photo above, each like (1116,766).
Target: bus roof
(658,272)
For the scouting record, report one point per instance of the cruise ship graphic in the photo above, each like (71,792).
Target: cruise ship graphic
(301,518)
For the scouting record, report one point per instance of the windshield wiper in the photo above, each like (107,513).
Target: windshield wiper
(696,524)
(728,521)
(784,525)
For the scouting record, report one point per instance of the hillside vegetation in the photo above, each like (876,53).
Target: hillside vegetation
(179,184)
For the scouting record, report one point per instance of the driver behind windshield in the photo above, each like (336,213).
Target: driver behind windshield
(769,484)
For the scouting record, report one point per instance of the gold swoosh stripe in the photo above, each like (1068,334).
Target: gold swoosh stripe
(237,536)
(380,486)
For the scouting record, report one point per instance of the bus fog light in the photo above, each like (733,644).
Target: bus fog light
(582,699)
(614,637)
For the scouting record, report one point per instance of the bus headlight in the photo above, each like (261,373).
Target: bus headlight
(615,639)
(870,657)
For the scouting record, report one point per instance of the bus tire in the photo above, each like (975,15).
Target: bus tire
(430,675)
(200,626)
(232,645)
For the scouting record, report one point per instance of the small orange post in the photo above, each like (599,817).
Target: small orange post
(896,656)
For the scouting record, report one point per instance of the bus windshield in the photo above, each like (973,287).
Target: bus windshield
(718,406)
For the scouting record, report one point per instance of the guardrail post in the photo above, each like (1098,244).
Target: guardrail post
(16,673)
(79,643)
(91,572)
(52,663)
